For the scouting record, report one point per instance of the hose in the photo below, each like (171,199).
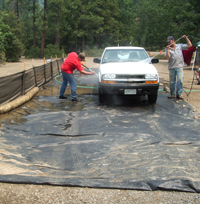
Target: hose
(194,71)
(86,87)
(89,87)
(169,45)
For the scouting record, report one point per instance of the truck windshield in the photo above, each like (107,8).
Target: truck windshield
(125,55)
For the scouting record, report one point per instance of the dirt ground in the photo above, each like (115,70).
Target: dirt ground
(28,193)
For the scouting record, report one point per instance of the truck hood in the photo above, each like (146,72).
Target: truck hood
(127,68)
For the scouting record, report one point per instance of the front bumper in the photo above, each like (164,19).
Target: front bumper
(118,89)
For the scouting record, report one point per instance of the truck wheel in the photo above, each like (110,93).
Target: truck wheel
(152,98)
(198,81)
(101,97)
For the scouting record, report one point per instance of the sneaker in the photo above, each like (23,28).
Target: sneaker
(62,97)
(76,100)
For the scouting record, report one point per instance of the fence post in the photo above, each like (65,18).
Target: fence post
(51,67)
(45,78)
(35,76)
(23,79)
(33,62)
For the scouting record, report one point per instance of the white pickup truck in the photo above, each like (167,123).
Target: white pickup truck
(127,71)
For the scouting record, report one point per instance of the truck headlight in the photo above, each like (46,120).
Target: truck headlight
(151,79)
(151,76)
(108,76)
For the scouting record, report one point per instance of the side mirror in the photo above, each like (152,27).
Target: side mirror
(154,60)
(97,60)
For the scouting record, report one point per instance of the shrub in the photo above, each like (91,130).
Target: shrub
(2,49)
(10,45)
(2,58)
(52,51)
(32,53)
(13,47)
(93,52)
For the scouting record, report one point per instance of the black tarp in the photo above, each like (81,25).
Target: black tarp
(129,145)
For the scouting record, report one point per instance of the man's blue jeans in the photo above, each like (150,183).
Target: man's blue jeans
(68,78)
(176,81)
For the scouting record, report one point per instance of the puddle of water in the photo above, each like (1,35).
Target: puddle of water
(46,100)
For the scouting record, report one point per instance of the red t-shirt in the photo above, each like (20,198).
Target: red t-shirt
(71,63)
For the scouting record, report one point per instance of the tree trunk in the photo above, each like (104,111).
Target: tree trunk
(76,42)
(83,43)
(42,43)
(34,27)
(57,27)
(43,32)
(17,8)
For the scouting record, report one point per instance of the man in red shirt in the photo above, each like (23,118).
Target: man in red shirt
(71,63)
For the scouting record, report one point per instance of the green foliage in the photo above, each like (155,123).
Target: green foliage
(83,24)
(11,46)
(2,58)
(32,52)
(2,49)
(93,52)
(157,20)
(52,51)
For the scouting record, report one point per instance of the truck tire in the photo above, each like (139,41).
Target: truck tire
(152,98)
(101,97)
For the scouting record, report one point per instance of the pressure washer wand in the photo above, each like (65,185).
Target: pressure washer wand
(89,69)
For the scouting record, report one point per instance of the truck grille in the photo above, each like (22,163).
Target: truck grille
(136,79)
(130,76)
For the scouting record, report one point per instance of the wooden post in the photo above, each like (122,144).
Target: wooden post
(56,57)
(63,55)
(24,66)
(51,58)
(44,60)
(23,79)
(33,62)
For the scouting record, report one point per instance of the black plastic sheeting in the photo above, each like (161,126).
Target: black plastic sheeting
(131,145)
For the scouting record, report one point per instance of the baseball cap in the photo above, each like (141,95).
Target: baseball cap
(169,38)
(82,56)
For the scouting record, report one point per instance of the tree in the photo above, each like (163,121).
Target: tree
(11,44)
(44,30)
(2,39)
(152,17)
(34,26)
(57,21)
(128,22)
(92,20)
(77,25)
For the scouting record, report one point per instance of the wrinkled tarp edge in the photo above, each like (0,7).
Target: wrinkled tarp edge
(180,185)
